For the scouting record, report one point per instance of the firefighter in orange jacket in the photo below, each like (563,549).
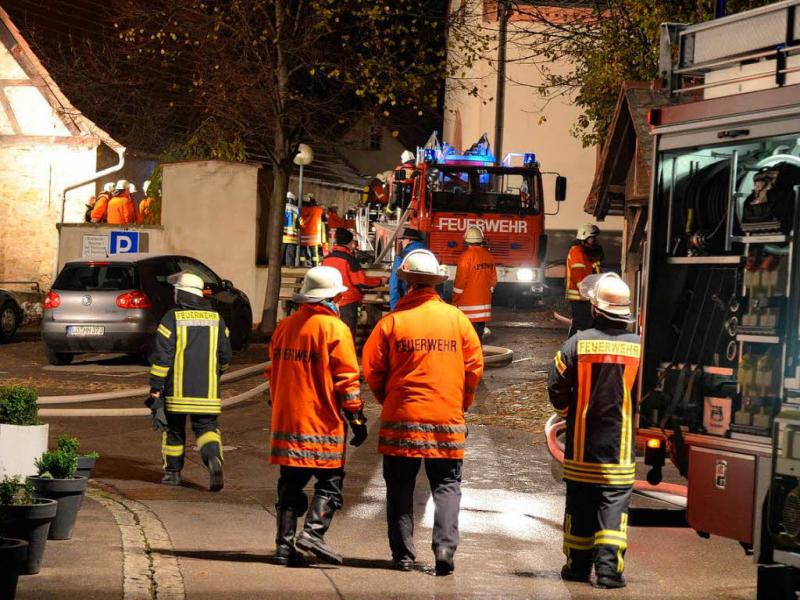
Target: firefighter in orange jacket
(312,232)
(423,362)
(148,213)
(476,277)
(314,382)
(583,259)
(100,207)
(121,210)
(592,385)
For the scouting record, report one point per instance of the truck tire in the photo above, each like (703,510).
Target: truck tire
(9,321)
(57,358)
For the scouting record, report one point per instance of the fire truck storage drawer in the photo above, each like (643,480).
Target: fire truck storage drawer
(721,493)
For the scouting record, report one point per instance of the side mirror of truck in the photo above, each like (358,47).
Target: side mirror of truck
(561,188)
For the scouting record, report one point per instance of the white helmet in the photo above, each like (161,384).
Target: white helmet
(407,156)
(291,196)
(473,235)
(108,187)
(122,184)
(187,282)
(609,294)
(320,283)
(146,186)
(421,266)
(586,231)
(132,188)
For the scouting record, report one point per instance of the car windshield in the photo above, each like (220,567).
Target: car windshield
(88,277)
(483,191)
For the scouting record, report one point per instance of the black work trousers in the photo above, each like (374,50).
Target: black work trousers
(581,316)
(288,253)
(310,256)
(596,527)
(328,485)
(349,314)
(479,327)
(444,476)
(173,442)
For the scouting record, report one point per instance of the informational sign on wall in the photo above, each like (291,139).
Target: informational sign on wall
(95,246)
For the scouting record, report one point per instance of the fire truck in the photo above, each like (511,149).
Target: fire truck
(720,378)
(447,191)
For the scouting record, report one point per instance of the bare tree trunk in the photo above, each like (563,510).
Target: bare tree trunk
(280,185)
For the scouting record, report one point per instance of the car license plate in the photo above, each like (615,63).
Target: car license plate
(85,330)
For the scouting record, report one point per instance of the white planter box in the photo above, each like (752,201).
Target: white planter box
(20,446)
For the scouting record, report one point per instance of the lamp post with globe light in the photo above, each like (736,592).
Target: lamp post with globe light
(304,156)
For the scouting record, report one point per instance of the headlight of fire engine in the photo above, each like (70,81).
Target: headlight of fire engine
(525,275)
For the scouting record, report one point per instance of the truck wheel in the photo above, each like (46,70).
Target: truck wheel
(57,358)
(9,321)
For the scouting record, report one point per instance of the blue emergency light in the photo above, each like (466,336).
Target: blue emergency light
(529,159)
(429,155)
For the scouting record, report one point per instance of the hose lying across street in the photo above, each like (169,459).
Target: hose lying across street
(494,357)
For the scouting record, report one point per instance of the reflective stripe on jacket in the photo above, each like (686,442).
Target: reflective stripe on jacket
(476,277)
(592,385)
(423,362)
(580,263)
(290,217)
(353,276)
(311,226)
(313,376)
(192,350)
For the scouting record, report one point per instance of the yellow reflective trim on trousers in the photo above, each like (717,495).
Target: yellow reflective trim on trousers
(576,546)
(180,348)
(607,541)
(611,533)
(213,333)
(626,421)
(209,437)
(599,478)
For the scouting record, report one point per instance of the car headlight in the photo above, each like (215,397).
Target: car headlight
(525,275)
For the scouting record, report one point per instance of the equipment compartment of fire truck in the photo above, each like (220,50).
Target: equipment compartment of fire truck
(720,381)
(448,191)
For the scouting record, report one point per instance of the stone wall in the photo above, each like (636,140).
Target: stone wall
(31,179)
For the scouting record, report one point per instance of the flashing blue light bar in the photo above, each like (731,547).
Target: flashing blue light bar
(529,159)
(469,159)
(429,155)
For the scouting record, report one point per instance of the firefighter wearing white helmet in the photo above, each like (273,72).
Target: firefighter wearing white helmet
(584,258)
(149,212)
(476,278)
(402,181)
(423,362)
(192,350)
(291,235)
(592,384)
(121,209)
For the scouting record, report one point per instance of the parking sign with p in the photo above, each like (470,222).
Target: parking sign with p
(124,242)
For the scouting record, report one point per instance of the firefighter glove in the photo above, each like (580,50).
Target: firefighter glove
(358,425)
(158,412)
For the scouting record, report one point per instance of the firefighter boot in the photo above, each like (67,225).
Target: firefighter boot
(285,552)
(610,580)
(311,539)
(171,478)
(444,561)
(572,573)
(210,444)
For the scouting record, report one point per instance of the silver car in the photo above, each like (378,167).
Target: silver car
(116,304)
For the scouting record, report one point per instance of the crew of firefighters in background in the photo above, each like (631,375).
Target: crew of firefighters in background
(592,384)
(115,205)
(584,258)
(476,278)
(312,227)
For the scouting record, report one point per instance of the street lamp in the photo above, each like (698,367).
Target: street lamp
(304,156)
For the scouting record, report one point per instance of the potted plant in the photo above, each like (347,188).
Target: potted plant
(57,481)
(26,517)
(12,555)
(22,438)
(86,462)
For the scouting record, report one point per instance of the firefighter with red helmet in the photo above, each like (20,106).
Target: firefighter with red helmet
(584,258)
(592,385)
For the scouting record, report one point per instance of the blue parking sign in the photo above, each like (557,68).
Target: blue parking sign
(124,242)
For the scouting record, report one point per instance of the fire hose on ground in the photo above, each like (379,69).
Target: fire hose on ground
(666,492)
(494,357)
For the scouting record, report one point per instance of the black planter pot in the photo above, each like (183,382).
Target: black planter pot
(12,557)
(29,522)
(85,466)
(69,493)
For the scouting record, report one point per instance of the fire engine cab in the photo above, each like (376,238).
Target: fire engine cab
(446,192)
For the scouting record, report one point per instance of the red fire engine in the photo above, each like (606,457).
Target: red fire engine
(446,192)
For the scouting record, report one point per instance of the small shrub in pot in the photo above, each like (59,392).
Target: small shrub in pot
(26,517)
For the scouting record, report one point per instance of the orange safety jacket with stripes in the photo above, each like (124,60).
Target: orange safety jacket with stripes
(314,375)
(476,278)
(311,226)
(592,384)
(580,263)
(423,362)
